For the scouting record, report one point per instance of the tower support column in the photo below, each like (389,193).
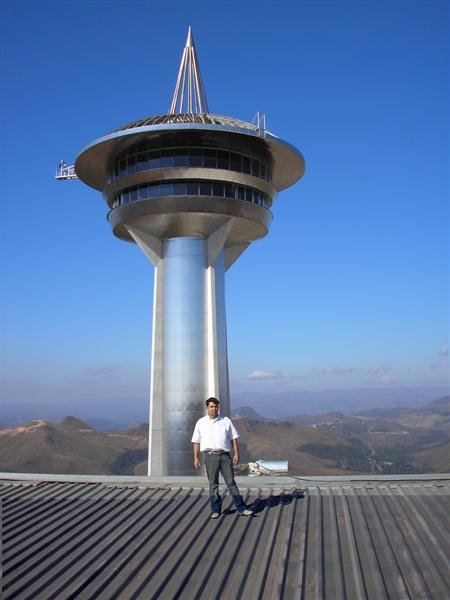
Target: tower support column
(189,359)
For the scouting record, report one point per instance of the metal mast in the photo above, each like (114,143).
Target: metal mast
(189,95)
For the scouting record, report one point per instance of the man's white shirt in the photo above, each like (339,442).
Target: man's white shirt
(214,434)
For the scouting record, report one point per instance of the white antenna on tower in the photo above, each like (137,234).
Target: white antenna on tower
(260,121)
(189,95)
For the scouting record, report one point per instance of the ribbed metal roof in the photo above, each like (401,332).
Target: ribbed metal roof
(145,540)
(202,118)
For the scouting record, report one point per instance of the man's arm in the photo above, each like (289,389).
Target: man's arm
(235,452)
(197,464)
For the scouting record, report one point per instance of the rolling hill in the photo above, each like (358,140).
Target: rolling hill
(70,446)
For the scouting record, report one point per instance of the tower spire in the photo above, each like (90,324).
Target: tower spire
(189,95)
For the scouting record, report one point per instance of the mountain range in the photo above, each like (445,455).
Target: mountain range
(111,414)
(379,441)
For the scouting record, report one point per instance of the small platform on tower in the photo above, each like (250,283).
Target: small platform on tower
(65,171)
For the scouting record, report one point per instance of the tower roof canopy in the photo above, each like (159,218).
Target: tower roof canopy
(189,94)
(201,118)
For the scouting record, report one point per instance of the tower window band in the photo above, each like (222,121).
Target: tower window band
(209,158)
(192,187)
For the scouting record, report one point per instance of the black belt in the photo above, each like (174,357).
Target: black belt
(217,452)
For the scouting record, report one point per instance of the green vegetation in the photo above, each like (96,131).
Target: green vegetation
(125,463)
(395,461)
(354,457)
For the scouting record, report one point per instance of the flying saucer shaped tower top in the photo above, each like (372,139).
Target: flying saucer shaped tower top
(193,190)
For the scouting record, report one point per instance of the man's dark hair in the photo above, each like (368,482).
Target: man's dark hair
(213,400)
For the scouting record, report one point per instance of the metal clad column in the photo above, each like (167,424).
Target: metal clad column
(157,459)
(184,351)
(217,334)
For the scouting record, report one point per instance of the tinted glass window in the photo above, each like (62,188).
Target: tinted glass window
(140,159)
(166,189)
(154,160)
(143,192)
(167,158)
(141,162)
(235,162)
(180,158)
(205,188)
(179,188)
(229,190)
(153,191)
(192,188)
(217,189)
(210,159)
(131,164)
(195,158)
(222,160)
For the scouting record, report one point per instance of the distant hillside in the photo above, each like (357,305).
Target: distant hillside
(140,432)
(247,411)
(440,406)
(70,446)
(73,424)
(402,440)
(435,458)
(297,444)
(443,402)
(333,443)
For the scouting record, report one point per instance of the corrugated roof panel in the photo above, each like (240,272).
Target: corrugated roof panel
(335,540)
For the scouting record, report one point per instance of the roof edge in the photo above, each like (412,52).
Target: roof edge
(199,480)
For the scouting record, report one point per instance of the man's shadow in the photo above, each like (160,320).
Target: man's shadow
(260,504)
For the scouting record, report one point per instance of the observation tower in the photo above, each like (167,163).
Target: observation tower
(193,190)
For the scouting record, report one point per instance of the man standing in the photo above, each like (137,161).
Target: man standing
(214,435)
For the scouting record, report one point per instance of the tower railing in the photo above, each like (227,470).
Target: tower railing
(64,172)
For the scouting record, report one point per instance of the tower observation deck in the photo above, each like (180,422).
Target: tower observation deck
(193,190)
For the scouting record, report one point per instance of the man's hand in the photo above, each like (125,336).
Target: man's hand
(235,452)
(196,448)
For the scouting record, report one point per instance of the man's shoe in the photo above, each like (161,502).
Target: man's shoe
(247,512)
(215,515)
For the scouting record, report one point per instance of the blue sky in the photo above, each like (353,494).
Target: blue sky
(350,288)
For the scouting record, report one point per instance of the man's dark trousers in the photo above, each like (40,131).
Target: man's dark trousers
(222,463)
